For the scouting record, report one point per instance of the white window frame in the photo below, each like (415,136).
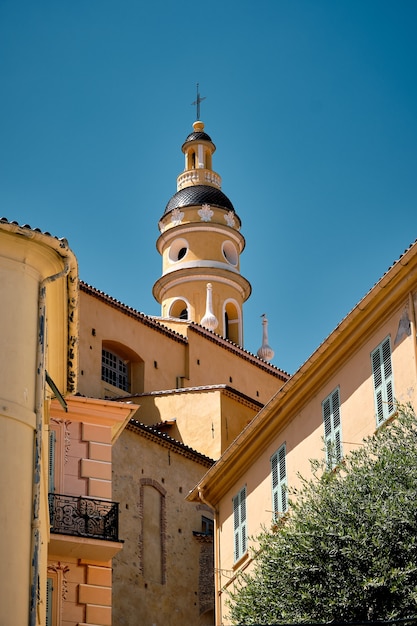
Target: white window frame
(383,380)
(279,482)
(332,423)
(240,524)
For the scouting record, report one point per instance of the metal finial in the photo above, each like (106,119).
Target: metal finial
(197,102)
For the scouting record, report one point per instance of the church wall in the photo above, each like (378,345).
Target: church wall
(236,414)
(159,358)
(166,363)
(212,364)
(156,575)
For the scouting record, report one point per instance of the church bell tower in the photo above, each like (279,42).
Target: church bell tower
(200,244)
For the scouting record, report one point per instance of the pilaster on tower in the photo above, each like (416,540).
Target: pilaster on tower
(201,243)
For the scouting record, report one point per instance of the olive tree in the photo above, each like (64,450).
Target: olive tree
(347,550)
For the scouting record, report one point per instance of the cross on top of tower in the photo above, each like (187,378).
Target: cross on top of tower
(197,102)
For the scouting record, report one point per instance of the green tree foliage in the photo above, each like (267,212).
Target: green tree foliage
(348,549)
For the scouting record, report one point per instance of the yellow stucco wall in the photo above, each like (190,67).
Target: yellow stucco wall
(27,259)
(294,417)
(207,420)
(159,358)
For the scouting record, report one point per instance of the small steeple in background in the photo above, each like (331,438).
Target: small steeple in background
(265,352)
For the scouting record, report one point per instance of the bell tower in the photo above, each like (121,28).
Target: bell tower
(200,244)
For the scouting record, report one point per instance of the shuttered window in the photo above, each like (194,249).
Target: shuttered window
(51,461)
(383,381)
(239,524)
(332,428)
(49,591)
(279,482)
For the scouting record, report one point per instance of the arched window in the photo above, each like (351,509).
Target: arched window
(121,368)
(152,537)
(232,324)
(179,309)
(114,370)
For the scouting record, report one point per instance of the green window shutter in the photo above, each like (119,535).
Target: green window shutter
(332,428)
(49,590)
(279,482)
(239,524)
(51,461)
(383,381)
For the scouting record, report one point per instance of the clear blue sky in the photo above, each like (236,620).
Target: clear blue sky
(312,105)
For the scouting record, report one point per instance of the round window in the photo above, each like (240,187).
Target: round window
(230,253)
(178,250)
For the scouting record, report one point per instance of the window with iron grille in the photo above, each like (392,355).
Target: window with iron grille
(114,370)
(239,524)
(383,381)
(332,428)
(279,482)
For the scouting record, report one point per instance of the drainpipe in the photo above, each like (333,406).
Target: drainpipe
(413,324)
(217,573)
(37,455)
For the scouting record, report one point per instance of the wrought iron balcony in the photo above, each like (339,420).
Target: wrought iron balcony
(84,517)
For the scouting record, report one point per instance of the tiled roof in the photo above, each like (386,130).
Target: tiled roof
(183,390)
(151,433)
(197,195)
(26,227)
(198,135)
(145,319)
(245,354)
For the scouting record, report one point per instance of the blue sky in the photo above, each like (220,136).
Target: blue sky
(312,105)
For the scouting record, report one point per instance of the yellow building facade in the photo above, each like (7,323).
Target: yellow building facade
(59,524)
(346,390)
(38,318)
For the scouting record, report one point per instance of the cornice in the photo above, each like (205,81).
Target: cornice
(209,274)
(228,391)
(376,306)
(193,227)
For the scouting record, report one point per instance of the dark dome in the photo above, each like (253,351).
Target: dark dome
(198,135)
(199,194)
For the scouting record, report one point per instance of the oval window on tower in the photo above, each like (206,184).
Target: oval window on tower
(230,253)
(178,250)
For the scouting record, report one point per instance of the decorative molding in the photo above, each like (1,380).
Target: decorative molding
(230,219)
(61,571)
(67,440)
(63,425)
(176,217)
(206,213)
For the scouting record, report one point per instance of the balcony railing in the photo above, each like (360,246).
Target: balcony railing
(84,517)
